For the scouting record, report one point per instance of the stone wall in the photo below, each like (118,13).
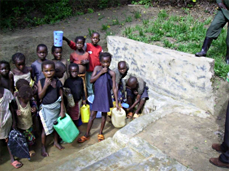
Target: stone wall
(180,76)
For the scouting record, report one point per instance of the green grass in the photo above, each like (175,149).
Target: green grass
(182,33)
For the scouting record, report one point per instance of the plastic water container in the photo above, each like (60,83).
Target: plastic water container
(66,129)
(118,118)
(58,38)
(85,113)
(90,100)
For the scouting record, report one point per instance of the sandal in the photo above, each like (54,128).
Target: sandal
(32,153)
(136,116)
(16,164)
(129,115)
(100,137)
(83,139)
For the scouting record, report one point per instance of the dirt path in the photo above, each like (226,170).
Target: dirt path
(26,40)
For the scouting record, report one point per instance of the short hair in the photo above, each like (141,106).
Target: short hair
(59,66)
(104,54)
(95,33)
(21,82)
(6,63)
(54,47)
(42,45)
(47,62)
(73,65)
(80,38)
(18,56)
(25,91)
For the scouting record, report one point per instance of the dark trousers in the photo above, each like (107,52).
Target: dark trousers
(224,157)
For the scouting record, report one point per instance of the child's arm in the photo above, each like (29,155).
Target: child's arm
(42,91)
(71,44)
(83,93)
(11,78)
(94,77)
(62,112)
(136,102)
(112,73)
(12,107)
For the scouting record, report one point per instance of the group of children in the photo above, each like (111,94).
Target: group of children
(40,92)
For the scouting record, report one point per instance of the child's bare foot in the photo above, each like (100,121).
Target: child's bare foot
(32,153)
(58,146)
(44,152)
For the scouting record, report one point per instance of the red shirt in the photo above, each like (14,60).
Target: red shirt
(76,58)
(93,51)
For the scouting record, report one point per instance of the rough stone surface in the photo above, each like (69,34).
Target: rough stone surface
(178,75)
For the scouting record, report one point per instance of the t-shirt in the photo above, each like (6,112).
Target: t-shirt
(52,94)
(93,51)
(37,71)
(76,58)
(76,87)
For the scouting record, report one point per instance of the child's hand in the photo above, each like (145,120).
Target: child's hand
(135,92)
(33,109)
(118,107)
(62,115)
(18,113)
(6,140)
(67,90)
(47,82)
(85,61)
(84,102)
(104,70)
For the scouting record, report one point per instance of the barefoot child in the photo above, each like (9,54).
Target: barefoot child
(120,73)
(42,52)
(6,119)
(51,93)
(24,114)
(94,50)
(6,76)
(75,84)
(80,57)
(104,80)
(136,90)
(57,54)
(21,71)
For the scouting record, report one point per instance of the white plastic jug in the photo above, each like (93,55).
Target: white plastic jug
(58,38)
(118,118)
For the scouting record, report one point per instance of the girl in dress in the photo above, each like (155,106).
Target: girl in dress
(104,80)
(6,119)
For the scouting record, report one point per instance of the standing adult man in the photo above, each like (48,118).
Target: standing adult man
(221,18)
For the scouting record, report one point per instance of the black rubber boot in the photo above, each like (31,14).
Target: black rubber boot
(205,47)
(227,56)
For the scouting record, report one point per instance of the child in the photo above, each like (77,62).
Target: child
(104,80)
(120,73)
(80,57)
(57,54)
(60,70)
(6,119)
(136,90)
(94,50)
(51,93)
(75,84)
(6,76)
(21,71)
(42,52)
(24,114)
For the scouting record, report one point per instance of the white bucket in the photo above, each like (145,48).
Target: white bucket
(58,38)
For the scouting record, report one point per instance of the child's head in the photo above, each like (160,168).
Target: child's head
(60,69)
(123,67)
(73,70)
(80,40)
(132,82)
(48,68)
(25,93)
(42,51)
(21,82)
(19,61)
(95,38)
(57,52)
(4,68)
(105,59)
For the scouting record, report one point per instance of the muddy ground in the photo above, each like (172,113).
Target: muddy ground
(26,40)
